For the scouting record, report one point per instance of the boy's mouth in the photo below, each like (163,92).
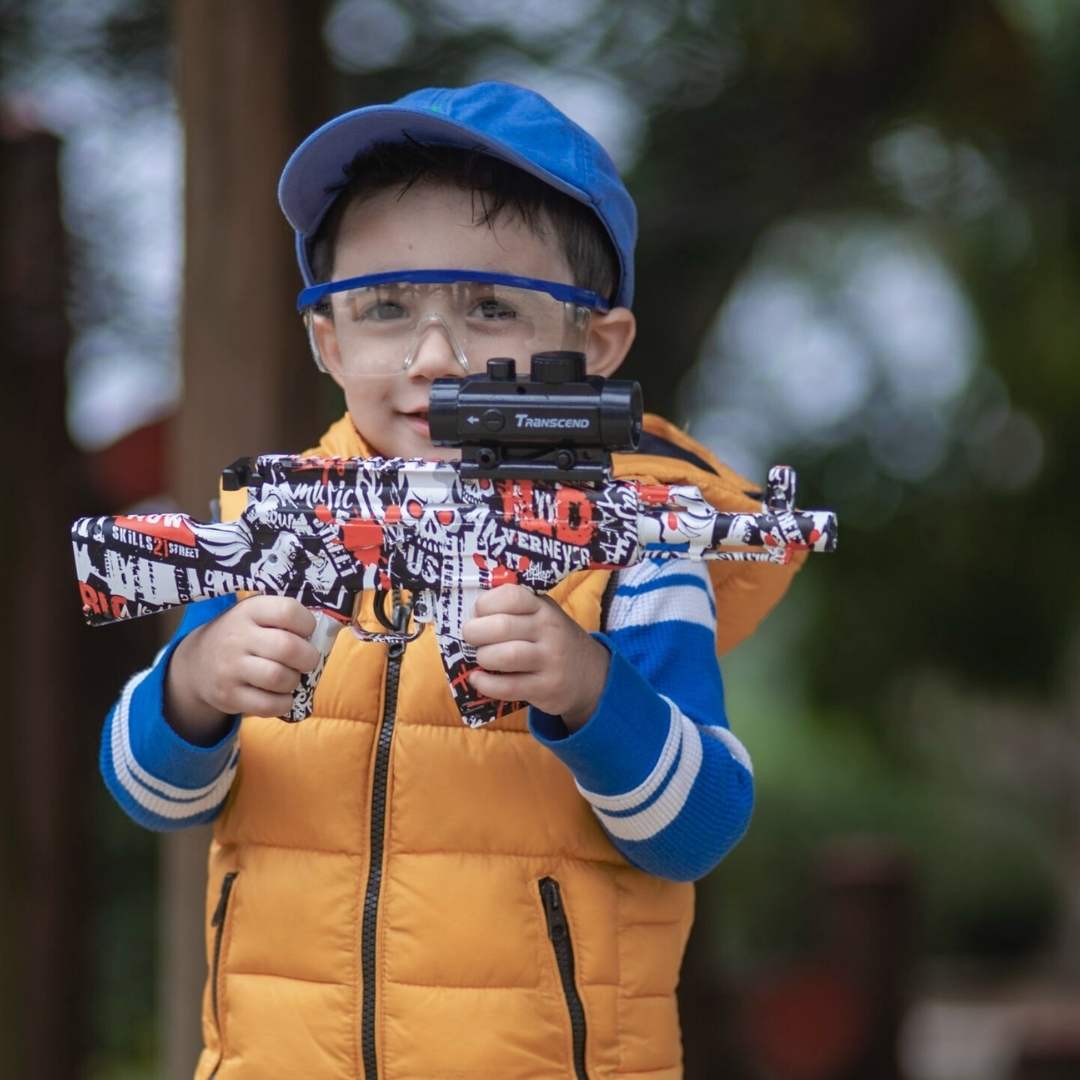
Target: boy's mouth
(418,419)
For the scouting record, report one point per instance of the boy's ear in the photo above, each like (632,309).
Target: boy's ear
(322,336)
(610,338)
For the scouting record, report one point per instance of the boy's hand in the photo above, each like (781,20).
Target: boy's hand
(532,651)
(248,660)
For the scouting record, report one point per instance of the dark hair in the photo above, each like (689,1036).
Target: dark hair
(496,186)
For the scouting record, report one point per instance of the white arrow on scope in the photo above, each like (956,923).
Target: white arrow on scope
(472,419)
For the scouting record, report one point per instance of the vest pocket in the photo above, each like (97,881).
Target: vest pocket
(218,923)
(558,928)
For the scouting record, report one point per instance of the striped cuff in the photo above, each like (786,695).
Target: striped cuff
(615,750)
(655,803)
(160,779)
(672,794)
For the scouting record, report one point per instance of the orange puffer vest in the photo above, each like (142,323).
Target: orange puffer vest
(381,897)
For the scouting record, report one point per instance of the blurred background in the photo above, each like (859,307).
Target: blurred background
(860,253)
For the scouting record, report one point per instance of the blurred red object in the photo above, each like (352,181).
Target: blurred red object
(132,469)
(805,1023)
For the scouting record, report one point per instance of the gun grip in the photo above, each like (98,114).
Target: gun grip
(459,659)
(322,637)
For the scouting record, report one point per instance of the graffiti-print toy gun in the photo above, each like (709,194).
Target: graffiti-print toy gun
(324,530)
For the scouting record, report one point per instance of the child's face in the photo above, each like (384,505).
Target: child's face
(427,227)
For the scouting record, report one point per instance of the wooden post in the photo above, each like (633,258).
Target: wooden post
(43,903)
(250,87)
(869,913)
(58,676)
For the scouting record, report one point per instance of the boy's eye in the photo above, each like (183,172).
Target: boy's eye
(493,310)
(383,311)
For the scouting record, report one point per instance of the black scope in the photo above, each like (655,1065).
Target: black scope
(557,423)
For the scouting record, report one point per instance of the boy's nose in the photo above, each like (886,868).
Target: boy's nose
(434,353)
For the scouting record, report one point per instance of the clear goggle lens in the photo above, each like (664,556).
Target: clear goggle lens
(384,328)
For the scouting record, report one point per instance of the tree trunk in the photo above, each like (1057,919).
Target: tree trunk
(59,677)
(250,78)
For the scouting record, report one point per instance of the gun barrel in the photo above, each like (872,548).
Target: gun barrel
(677,521)
(812,530)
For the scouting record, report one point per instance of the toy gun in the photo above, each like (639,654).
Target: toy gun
(531,501)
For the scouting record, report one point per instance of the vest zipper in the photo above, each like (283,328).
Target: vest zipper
(559,931)
(218,923)
(369,919)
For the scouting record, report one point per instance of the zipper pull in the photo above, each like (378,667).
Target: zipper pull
(401,612)
(399,617)
(558,928)
(223,900)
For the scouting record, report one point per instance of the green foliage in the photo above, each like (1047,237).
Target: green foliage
(124,1011)
(983,859)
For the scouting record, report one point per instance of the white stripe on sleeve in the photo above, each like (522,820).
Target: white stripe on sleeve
(734,746)
(662,603)
(134,778)
(629,799)
(663,810)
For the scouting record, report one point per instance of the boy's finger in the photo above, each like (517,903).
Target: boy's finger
(499,687)
(268,675)
(282,612)
(508,656)
(489,629)
(254,702)
(285,647)
(512,599)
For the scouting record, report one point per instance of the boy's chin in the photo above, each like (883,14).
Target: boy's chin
(439,453)
(418,448)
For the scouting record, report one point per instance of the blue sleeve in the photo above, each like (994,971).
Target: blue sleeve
(160,780)
(665,776)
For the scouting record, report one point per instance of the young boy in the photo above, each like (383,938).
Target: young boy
(393,893)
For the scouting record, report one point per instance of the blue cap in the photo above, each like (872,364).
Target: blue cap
(501,119)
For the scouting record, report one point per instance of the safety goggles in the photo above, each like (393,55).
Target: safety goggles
(382,320)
